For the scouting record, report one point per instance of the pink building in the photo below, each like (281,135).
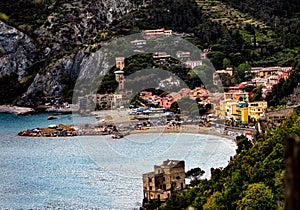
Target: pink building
(166,102)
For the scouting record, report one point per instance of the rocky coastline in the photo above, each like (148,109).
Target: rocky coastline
(71,130)
(52,131)
(17,110)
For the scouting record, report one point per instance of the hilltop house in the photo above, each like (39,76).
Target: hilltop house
(156,33)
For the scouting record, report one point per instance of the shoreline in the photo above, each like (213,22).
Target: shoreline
(186,129)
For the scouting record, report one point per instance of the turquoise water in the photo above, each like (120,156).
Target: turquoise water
(91,172)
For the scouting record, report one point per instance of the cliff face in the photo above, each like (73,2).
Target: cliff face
(59,48)
(17,51)
(75,22)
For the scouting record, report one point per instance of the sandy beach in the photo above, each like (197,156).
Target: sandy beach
(122,117)
(192,129)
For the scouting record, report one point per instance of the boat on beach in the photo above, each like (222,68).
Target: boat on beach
(117,136)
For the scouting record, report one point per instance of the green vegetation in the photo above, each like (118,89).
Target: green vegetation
(253,180)
(10,88)
(3,17)
(26,15)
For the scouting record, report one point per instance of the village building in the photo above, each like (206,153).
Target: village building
(225,71)
(199,92)
(216,77)
(164,180)
(138,43)
(189,64)
(236,96)
(183,56)
(266,71)
(157,33)
(161,56)
(101,101)
(166,102)
(242,111)
(257,109)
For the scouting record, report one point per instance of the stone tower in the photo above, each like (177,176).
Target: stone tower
(120,79)
(120,63)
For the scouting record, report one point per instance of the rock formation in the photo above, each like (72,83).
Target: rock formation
(58,49)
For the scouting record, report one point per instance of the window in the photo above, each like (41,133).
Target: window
(150,187)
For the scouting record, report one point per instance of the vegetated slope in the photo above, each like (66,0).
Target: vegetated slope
(254,180)
(282,15)
(267,9)
(65,34)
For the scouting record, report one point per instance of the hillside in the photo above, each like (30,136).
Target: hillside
(45,44)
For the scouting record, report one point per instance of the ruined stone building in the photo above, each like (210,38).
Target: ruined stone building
(166,178)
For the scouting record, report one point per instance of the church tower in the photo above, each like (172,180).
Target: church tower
(119,75)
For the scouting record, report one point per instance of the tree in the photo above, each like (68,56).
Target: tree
(243,71)
(194,174)
(257,196)
(226,63)
(257,94)
(216,57)
(248,88)
(213,202)
(243,144)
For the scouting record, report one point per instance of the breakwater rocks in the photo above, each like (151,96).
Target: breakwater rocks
(52,131)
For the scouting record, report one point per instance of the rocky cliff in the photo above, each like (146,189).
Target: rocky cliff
(56,51)
(17,51)
(75,22)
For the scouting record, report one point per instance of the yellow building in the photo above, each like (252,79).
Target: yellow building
(242,115)
(222,111)
(241,112)
(257,109)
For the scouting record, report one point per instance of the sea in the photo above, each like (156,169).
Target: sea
(91,172)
